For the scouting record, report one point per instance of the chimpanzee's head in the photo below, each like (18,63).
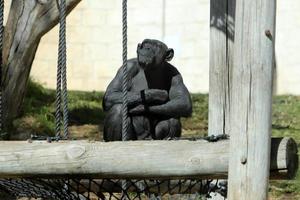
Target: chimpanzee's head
(153,53)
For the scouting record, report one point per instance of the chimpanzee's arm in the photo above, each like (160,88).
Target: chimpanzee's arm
(180,103)
(114,95)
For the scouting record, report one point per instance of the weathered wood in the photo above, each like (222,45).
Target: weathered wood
(251,99)
(222,16)
(288,160)
(139,159)
(27,22)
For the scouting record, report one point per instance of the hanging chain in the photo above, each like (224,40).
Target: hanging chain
(1,60)
(61,115)
(125,118)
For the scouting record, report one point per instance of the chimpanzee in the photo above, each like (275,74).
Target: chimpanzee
(157,96)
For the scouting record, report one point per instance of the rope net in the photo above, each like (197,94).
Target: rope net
(92,189)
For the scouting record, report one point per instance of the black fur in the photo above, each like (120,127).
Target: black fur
(156,93)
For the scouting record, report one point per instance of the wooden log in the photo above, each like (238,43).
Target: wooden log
(251,99)
(222,18)
(134,160)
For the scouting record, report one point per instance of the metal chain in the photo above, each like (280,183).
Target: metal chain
(125,118)
(1,60)
(61,115)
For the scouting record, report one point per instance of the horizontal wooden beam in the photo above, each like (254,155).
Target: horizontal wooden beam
(135,160)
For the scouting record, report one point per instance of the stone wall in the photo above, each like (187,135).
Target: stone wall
(94,42)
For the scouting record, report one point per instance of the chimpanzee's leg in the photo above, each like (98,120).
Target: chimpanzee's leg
(112,130)
(170,128)
(141,127)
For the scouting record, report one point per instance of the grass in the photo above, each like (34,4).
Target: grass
(86,116)
(286,122)
(38,112)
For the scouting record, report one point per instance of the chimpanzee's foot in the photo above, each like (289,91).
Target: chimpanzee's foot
(170,128)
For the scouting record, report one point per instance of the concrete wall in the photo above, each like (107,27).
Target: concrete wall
(288,47)
(94,42)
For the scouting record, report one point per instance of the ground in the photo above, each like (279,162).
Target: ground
(86,122)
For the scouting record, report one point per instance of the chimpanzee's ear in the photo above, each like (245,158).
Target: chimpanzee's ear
(169,55)
(139,46)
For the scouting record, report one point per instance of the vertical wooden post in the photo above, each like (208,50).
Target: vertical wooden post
(222,14)
(251,99)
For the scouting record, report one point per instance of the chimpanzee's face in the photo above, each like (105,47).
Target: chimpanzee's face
(153,53)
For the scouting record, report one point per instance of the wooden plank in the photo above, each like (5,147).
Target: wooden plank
(134,160)
(222,16)
(251,99)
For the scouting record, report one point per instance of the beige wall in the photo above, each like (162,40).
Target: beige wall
(288,46)
(94,42)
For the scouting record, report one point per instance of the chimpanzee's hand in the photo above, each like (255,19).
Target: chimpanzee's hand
(155,96)
(138,110)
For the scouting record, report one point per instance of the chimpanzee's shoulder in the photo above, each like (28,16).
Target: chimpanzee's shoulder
(132,63)
(133,66)
(171,70)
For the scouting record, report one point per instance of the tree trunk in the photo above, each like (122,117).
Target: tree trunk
(28,21)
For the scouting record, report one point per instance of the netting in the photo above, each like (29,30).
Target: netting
(86,189)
